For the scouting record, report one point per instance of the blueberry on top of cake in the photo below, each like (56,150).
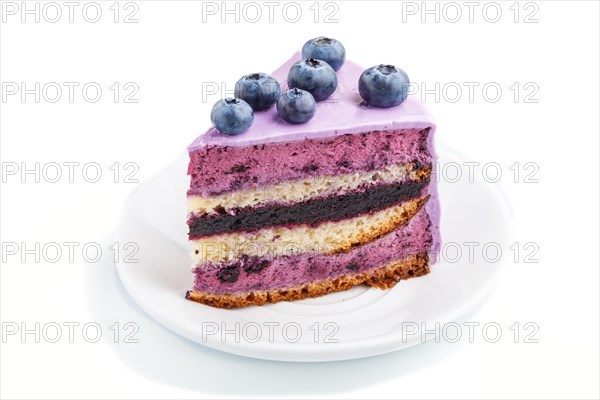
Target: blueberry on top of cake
(285,211)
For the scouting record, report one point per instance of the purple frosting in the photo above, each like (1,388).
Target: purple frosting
(340,114)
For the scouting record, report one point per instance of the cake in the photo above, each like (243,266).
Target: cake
(286,211)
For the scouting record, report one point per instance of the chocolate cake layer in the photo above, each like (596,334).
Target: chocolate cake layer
(221,169)
(310,212)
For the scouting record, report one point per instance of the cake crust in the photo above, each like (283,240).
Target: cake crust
(384,277)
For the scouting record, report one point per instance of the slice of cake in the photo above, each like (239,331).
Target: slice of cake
(290,211)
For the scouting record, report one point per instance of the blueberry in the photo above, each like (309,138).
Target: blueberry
(383,86)
(255,266)
(296,106)
(231,116)
(353,266)
(229,274)
(314,76)
(329,50)
(259,90)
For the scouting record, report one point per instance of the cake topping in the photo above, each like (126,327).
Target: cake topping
(314,76)
(296,106)
(329,50)
(383,86)
(259,90)
(231,116)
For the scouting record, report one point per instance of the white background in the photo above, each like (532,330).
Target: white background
(169,53)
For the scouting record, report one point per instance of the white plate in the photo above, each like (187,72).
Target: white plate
(357,323)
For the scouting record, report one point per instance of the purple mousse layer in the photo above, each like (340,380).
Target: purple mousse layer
(217,170)
(287,271)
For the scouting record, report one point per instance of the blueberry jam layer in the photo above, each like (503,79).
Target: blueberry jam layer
(286,271)
(310,212)
(216,170)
